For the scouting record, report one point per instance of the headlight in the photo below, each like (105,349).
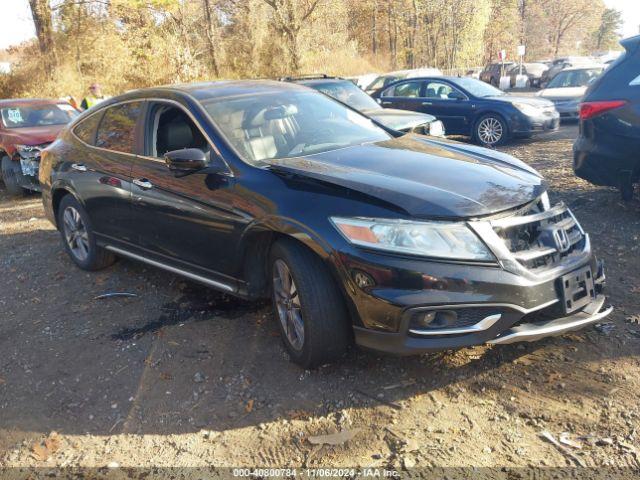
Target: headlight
(528,110)
(435,128)
(453,241)
(28,151)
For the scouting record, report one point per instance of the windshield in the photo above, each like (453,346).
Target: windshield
(348,93)
(289,124)
(37,115)
(574,78)
(477,88)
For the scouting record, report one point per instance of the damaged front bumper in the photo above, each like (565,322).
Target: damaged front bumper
(548,288)
(28,163)
(533,331)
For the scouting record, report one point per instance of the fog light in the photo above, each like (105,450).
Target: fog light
(363,279)
(423,320)
(434,319)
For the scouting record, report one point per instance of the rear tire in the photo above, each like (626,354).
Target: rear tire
(309,308)
(490,130)
(78,238)
(12,177)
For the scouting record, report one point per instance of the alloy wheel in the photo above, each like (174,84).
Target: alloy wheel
(75,233)
(288,304)
(490,131)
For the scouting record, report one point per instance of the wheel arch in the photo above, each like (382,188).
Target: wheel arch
(255,245)
(57,194)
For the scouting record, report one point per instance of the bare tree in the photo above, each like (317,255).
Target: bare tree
(211,35)
(41,14)
(290,17)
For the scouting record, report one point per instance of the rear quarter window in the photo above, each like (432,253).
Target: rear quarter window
(86,129)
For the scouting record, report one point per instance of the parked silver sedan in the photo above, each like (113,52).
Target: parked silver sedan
(567,88)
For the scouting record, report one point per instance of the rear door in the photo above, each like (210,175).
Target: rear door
(404,95)
(185,221)
(101,172)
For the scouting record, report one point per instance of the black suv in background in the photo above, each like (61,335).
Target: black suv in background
(606,151)
(403,242)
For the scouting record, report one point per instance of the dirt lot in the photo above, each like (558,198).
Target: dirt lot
(182,376)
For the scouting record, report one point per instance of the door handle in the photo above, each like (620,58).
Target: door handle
(79,166)
(143,183)
(386,103)
(427,103)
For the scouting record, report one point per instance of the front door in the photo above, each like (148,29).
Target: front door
(186,221)
(447,104)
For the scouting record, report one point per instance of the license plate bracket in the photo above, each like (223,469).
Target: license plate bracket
(577,289)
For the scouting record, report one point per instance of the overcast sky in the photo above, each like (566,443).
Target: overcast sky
(17,25)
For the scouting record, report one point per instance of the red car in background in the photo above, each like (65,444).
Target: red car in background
(27,126)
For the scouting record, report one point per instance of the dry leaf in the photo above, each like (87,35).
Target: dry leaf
(554,377)
(172,343)
(51,446)
(297,414)
(339,438)
(39,452)
(249,407)
(165,376)
(2,381)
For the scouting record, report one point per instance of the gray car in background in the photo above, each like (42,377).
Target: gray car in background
(567,88)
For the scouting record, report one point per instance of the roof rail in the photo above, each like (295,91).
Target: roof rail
(310,76)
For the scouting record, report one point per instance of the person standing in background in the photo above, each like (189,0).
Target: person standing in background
(95,96)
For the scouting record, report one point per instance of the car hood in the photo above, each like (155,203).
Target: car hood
(32,135)
(535,101)
(425,178)
(398,119)
(567,93)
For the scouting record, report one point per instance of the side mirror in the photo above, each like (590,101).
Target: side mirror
(456,96)
(185,161)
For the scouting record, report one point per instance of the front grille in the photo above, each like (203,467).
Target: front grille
(540,238)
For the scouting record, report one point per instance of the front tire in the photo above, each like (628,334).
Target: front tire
(312,317)
(12,177)
(490,130)
(78,238)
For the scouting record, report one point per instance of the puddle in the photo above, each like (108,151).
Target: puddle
(197,304)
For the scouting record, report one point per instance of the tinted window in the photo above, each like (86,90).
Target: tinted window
(438,90)
(86,129)
(117,128)
(406,89)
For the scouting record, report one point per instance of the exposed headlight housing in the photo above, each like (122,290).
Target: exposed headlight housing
(28,151)
(527,109)
(446,240)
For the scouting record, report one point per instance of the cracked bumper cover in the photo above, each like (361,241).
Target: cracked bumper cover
(509,322)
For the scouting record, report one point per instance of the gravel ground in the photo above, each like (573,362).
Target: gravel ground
(182,376)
